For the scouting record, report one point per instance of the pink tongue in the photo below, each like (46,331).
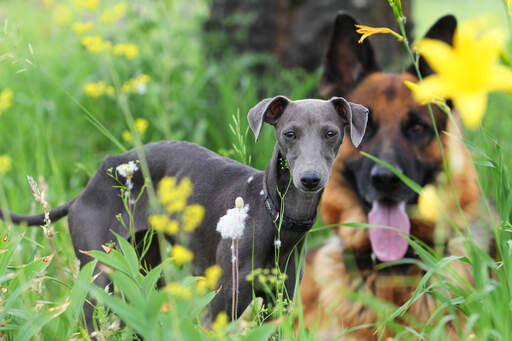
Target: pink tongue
(387,244)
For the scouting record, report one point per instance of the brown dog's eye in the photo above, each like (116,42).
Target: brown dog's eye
(417,128)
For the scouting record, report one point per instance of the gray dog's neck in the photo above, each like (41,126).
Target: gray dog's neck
(298,205)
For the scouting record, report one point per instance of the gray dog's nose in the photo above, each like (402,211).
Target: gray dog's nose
(310,180)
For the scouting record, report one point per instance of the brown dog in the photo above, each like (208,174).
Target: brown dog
(401,133)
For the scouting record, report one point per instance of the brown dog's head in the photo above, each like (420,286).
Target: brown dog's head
(399,131)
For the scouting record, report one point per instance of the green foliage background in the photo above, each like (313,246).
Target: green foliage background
(51,130)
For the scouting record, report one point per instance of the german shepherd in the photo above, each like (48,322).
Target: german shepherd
(400,132)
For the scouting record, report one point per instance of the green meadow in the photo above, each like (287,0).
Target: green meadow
(140,72)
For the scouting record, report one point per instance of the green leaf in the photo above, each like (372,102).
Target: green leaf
(149,281)
(263,332)
(114,259)
(78,292)
(128,286)
(133,317)
(32,326)
(130,254)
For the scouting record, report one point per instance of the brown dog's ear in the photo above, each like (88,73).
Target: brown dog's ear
(268,110)
(346,61)
(355,116)
(443,30)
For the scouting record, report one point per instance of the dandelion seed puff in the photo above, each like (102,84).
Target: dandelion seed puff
(232,225)
(277,243)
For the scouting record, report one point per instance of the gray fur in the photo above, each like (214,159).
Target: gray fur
(217,182)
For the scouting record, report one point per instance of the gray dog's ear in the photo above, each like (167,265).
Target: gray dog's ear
(355,115)
(268,110)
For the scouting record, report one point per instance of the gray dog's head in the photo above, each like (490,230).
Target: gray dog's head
(309,133)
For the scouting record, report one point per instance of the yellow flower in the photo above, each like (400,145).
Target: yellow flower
(62,14)
(424,101)
(5,163)
(173,197)
(136,84)
(158,221)
(130,51)
(172,228)
(95,90)
(210,279)
(509,5)
(113,14)
(127,136)
(81,27)
(181,255)
(192,217)
(141,125)
(428,203)
(5,100)
(212,275)
(161,222)
(178,290)
(367,31)
(220,323)
(89,5)
(466,72)
(109,90)
(95,44)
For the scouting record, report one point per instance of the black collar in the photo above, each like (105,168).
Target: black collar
(288,224)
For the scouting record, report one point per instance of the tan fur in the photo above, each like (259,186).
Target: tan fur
(327,281)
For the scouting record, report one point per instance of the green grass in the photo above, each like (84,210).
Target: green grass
(51,130)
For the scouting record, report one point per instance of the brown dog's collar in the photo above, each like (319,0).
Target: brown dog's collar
(288,224)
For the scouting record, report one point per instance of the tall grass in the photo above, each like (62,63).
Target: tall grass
(54,130)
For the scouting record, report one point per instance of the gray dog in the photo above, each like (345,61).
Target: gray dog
(308,132)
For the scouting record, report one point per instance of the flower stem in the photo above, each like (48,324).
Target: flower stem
(237,279)
(233,278)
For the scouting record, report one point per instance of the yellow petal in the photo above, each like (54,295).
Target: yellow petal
(471,108)
(509,5)
(429,89)
(501,78)
(439,55)
(367,31)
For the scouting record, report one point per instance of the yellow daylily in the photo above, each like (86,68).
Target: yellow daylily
(465,72)
(367,31)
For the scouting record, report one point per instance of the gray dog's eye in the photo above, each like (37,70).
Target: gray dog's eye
(330,133)
(290,134)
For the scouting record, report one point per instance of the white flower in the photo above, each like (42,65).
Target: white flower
(232,225)
(126,170)
(277,243)
(141,88)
